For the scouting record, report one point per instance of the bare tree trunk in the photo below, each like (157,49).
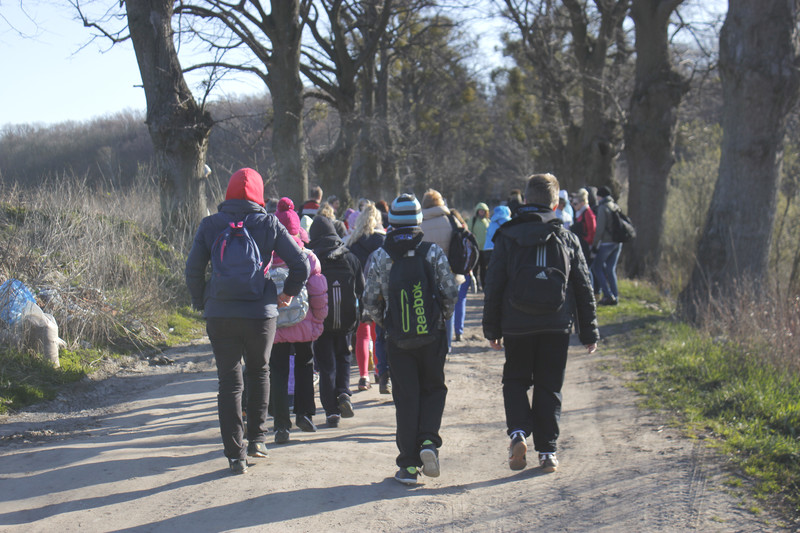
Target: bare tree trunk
(760,80)
(283,79)
(179,128)
(366,166)
(390,171)
(650,131)
(334,165)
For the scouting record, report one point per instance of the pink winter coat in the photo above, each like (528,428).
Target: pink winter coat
(312,325)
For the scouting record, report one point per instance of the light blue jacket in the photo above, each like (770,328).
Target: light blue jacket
(500,216)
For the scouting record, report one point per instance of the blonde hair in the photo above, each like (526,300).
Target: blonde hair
(542,189)
(326,210)
(432,198)
(582,195)
(369,219)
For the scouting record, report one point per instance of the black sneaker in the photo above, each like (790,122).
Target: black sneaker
(305,424)
(608,301)
(333,421)
(364,384)
(429,456)
(257,449)
(516,452)
(281,436)
(346,405)
(458,337)
(237,466)
(407,476)
(384,385)
(548,462)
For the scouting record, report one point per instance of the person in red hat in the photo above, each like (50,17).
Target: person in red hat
(241,317)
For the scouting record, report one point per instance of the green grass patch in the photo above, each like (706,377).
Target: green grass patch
(184,325)
(26,379)
(712,385)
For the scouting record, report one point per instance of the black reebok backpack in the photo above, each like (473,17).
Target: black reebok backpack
(413,311)
(342,301)
(464,250)
(538,275)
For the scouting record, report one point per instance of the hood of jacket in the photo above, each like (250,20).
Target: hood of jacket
(524,234)
(501,214)
(481,205)
(401,240)
(246,184)
(323,239)
(240,207)
(435,211)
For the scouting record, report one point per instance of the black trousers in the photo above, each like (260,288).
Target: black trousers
(536,361)
(279,382)
(419,395)
(231,339)
(332,356)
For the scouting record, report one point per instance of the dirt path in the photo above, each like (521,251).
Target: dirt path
(147,457)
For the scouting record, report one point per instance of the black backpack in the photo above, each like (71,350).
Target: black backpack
(622,229)
(538,275)
(342,300)
(413,311)
(464,249)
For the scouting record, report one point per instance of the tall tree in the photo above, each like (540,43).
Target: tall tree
(179,127)
(650,129)
(345,41)
(271,45)
(759,67)
(575,48)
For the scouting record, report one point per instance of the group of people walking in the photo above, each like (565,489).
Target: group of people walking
(302,283)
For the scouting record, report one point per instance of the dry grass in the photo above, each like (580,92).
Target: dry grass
(94,256)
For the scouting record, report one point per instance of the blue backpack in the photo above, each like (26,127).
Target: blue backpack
(237,270)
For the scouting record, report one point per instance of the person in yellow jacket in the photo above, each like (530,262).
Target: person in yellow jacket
(478,225)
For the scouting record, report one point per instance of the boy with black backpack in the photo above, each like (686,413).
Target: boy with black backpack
(345,278)
(410,292)
(537,287)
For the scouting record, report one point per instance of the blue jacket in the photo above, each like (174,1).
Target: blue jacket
(269,234)
(500,216)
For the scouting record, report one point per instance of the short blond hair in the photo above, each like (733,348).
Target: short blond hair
(432,198)
(542,189)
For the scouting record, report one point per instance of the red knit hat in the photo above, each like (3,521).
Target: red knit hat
(246,184)
(287,215)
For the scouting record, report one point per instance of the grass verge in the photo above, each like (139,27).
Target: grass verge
(721,387)
(26,379)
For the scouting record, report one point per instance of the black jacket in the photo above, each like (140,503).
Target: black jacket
(326,244)
(500,319)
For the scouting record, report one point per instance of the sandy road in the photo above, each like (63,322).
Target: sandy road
(141,452)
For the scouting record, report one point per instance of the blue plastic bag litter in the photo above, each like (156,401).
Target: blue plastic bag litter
(14,299)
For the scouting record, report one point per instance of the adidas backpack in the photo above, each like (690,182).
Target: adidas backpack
(413,311)
(538,275)
(237,270)
(342,301)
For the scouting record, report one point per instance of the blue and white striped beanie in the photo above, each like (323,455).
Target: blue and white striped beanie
(405,211)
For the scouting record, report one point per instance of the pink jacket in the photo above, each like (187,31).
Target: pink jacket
(312,325)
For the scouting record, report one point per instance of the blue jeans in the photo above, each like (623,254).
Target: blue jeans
(604,268)
(461,307)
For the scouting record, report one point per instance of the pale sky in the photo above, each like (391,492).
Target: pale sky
(50,74)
